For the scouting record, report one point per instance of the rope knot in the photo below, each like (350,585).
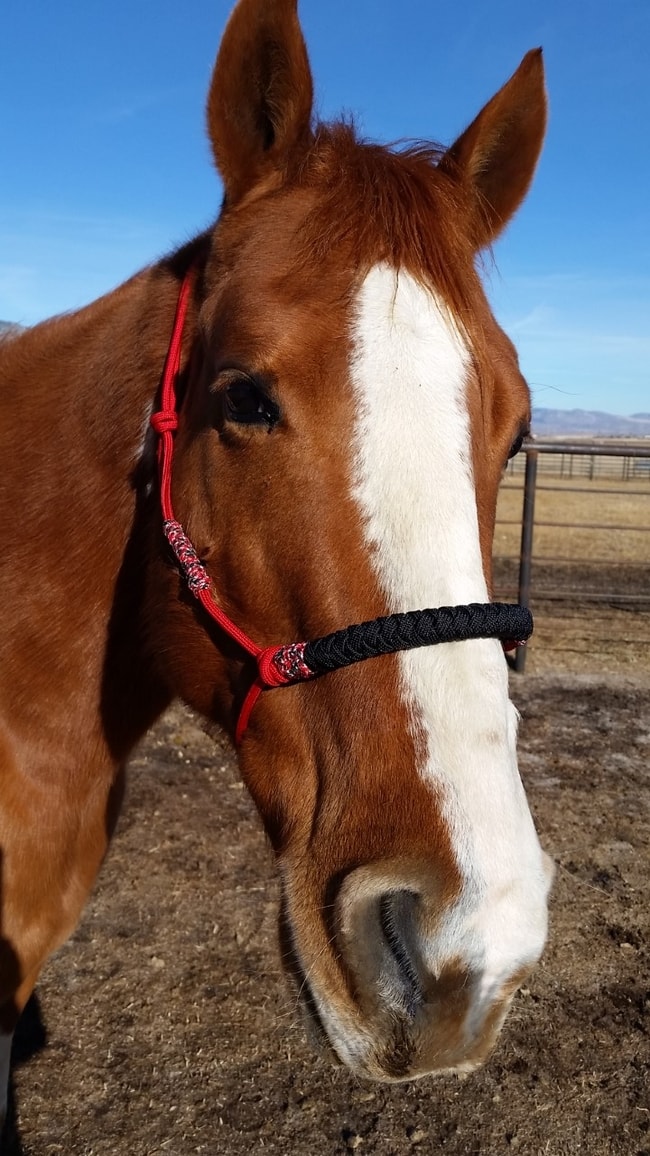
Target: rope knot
(279,666)
(164,420)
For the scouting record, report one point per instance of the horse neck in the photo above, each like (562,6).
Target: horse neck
(77,394)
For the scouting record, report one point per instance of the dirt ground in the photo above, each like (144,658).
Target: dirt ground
(165,1025)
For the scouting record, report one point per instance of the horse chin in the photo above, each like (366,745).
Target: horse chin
(378,1034)
(392,1048)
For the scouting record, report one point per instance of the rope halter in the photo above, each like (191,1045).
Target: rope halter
(300,661)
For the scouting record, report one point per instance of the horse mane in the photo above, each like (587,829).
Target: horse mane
(388,203)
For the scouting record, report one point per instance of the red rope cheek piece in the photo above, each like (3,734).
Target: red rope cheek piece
(165,423)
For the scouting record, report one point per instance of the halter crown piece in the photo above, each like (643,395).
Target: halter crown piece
(300,661)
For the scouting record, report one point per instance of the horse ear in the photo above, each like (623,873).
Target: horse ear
(260,101)
(495,157)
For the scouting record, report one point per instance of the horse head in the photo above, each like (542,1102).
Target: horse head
(350,405)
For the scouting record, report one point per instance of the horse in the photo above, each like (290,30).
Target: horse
(337,407)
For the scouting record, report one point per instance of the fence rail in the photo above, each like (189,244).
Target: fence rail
(628,462)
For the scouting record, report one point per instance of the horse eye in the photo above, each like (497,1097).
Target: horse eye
(516,446)
(245,403)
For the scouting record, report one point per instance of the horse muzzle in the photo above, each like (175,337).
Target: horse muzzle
(399,987)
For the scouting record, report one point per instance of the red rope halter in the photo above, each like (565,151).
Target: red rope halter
(299,661)
(165,423)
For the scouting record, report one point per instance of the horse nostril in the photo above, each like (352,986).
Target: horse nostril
(397,919)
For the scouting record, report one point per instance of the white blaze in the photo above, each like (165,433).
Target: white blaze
(413,481)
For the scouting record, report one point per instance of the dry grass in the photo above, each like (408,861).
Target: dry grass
(602,502)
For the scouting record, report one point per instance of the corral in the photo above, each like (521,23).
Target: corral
(590,557)
(167,1021)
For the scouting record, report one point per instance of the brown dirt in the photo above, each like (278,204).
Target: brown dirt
(165,1024)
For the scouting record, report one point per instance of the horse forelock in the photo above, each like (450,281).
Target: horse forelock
(349,205)
(382,203)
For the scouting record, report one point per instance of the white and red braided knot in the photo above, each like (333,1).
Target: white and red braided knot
(279,666)
(188,560)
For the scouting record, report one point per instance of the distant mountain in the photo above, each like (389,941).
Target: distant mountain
(588,423)
(9,327)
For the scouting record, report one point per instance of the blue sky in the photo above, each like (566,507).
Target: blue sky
(106,165)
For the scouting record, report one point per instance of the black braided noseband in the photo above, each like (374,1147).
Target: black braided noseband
(511,624)
(418,628)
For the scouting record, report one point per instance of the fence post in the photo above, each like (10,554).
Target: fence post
(526,551)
